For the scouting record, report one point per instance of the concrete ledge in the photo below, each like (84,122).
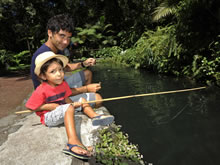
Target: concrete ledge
(36,144)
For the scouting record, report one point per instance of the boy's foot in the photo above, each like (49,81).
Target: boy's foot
(80,153)
(102,120)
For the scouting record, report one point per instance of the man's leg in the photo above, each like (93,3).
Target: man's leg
(88,76)
(79,79)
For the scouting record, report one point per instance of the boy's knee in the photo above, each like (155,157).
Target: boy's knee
(70,108)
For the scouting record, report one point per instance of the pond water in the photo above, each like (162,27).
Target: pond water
(171,129)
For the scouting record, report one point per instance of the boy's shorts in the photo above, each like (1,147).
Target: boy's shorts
(77,80)
(56,117)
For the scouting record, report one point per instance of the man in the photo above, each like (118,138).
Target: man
(59,30)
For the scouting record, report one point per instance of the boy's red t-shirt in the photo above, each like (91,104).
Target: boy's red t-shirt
(47,94)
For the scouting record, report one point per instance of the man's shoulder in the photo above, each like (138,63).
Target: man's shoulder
(43,48)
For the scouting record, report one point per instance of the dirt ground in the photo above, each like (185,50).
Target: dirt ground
(14,89)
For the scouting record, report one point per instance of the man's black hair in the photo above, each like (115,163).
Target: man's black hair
(61,22)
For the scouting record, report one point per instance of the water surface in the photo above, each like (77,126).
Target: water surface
(171,129)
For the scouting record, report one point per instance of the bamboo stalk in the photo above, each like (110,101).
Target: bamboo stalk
(130,96)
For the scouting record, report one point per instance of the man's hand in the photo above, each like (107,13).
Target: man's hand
(93,87)
(89,62)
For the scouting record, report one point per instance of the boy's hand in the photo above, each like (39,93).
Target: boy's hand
(77,104)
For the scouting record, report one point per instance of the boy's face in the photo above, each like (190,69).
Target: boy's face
(54,74)
(60,40)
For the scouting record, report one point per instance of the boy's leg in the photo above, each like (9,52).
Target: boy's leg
(87,109)
(97,119)
(71,132)
(65,114)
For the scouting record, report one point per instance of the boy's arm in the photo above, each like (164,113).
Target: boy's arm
(75,104)
(68,100)
(50,107)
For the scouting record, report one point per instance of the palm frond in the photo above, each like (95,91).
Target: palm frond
(163,10)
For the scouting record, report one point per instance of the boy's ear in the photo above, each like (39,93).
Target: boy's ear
(43,77)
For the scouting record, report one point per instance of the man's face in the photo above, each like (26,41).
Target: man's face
(60,40)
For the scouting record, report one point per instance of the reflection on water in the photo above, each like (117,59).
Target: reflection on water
(171,129)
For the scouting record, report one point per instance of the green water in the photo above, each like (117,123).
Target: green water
(171,129)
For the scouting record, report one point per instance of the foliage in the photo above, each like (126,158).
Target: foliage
(108,52)
(3,57)
(159,50)
(115,149)
(11,61)
(208,68)
(187,26)
(21,25)
(25,21)
(155,50)
(167,7)
(95,35)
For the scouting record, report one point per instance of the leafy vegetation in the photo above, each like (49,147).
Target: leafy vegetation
(10,61)
(114,148)
(178,37)
(183,47)
(167,36)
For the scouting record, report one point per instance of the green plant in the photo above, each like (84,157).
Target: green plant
(108,52)
(115,149)
(95,36)
(12,61)
(156,50)
(3,58)
(207,68)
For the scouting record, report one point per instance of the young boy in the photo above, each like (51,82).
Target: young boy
(52,103)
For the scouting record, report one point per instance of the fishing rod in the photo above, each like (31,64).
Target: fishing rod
(130,96)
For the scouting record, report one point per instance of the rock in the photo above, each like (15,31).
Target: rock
(33,143)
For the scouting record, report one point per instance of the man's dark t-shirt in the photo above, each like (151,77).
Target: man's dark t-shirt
(42,49)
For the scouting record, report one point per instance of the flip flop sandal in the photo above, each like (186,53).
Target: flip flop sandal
(74,154)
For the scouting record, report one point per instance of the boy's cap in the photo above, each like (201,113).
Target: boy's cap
(46,56)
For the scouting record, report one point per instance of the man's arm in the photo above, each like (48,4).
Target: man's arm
(86,89)
(73,66)
(86,63)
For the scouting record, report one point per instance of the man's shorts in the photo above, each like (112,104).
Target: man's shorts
(56,117)
(77,80)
